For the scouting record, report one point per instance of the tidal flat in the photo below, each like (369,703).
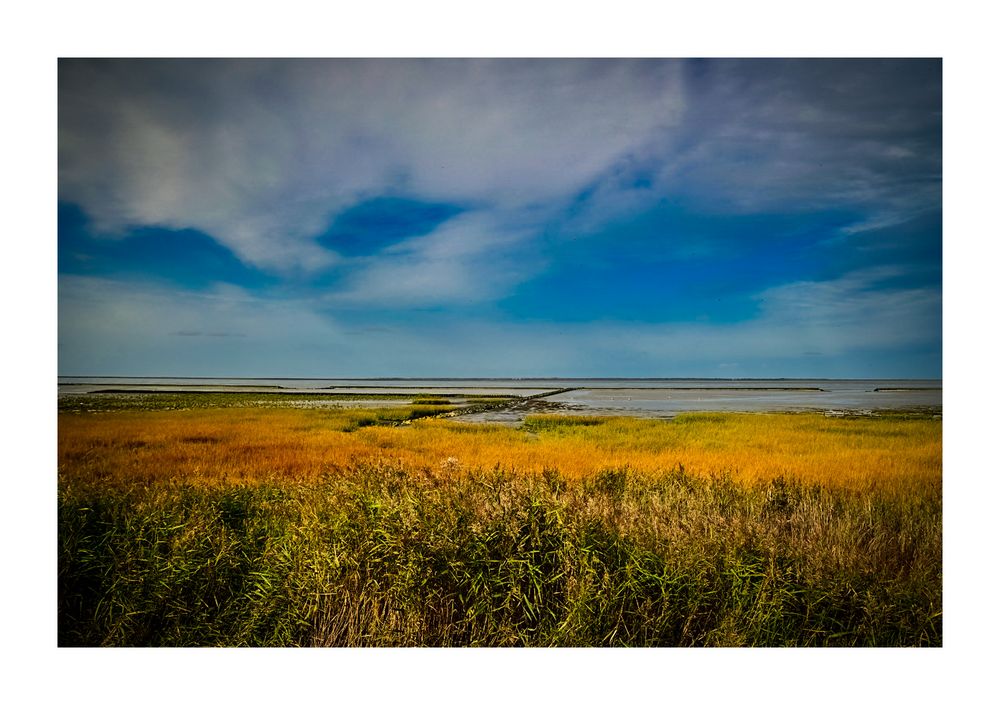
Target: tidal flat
(510,401)
(219,522)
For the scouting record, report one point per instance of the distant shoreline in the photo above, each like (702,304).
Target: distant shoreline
(276,389)
(523,379)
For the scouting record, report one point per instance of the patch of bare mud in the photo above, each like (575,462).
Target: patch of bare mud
(513,414)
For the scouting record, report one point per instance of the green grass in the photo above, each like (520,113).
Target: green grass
(556,423)
(172,401)
(381,555)
(354,419)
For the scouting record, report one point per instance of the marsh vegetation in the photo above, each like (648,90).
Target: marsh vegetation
(285,526)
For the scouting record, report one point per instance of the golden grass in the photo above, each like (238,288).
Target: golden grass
(257,445)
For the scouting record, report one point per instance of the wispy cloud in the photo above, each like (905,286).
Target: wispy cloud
(468,260)
(211,334)
(541,216)
(262,154)
(805,328)
(811,134)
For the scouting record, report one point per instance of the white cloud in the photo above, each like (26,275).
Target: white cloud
(114,328)
(260,155)
(467,260)
(138,329)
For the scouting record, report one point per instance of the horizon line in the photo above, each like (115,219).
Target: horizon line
(450,379)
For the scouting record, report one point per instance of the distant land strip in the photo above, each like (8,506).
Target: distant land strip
(237,388)
(144,387)
(517,379)
(908,389)
(709,389)
(424,386)
(289,392)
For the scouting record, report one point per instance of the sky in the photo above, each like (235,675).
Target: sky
(509,218)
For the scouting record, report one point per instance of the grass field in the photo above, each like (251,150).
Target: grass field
(279,526)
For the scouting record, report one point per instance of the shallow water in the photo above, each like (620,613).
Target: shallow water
(661,398)
(829,397)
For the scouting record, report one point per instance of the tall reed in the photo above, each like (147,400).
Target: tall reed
(380,555)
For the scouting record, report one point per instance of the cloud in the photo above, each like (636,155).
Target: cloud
(859,138)
(370,194)
(812,134)
(144,329)
(808,328)
(195,333)
(859,311)
(470,259)
(261,154)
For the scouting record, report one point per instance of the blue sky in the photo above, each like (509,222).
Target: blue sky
(713,218)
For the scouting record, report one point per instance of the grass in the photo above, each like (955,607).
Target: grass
(120,400)
(260,444)
(276,527)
